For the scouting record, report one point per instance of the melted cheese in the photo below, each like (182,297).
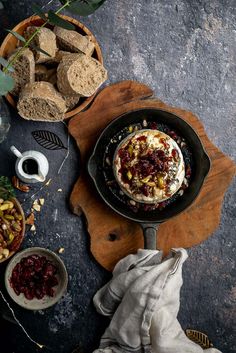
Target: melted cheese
(155,140)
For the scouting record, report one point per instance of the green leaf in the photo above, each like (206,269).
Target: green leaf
(17,35)
(39,49)
(5,63)
(58,21)
(6,189)
(84,7)
(38,11)
(6,83)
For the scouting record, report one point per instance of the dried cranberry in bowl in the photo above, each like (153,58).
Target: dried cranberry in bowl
(44,282)
(35,277)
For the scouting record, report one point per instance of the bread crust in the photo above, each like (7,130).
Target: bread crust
(80,74)
(73,41)
(45,40)
(42,102)
(24,70)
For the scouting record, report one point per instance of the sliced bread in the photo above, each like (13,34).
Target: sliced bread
(42,102)
(80,74)
(73,41)
(24,68)
(71,101)
(45,40)
(42,73)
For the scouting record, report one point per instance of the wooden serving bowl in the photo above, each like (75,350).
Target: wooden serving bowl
(19,239)
(10,43)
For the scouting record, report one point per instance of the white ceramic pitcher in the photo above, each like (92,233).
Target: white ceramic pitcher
(31,166)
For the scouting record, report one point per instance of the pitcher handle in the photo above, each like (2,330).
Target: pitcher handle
(16,152)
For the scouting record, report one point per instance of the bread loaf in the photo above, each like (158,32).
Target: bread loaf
(45,40)
(23,70)
(40,101)
(73,41)
(80,74)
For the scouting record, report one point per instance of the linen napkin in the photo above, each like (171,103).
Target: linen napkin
(142,300)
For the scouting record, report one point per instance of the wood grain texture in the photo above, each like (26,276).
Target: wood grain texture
(112,236)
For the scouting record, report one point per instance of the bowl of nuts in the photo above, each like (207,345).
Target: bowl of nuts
(12,226)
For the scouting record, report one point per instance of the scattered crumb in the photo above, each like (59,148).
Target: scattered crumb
(48,182)
(61,250)
(59,190)
(41,201)
(30,219)
(33,228)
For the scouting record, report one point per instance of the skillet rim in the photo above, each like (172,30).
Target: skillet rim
(205,172)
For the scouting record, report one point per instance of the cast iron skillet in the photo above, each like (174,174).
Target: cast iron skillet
(150,220)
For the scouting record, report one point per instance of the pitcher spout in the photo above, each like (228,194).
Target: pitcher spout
(39,177)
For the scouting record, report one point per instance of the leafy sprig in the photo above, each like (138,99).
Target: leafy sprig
(6,189)
(81,7)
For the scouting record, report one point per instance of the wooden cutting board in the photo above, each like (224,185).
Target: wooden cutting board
(112,236)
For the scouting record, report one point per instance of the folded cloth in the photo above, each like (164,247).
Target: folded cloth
(142,300)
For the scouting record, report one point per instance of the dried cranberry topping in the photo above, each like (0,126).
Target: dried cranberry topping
(173,134)
(34,276)
(175,154)
(188,171)
(153,125)
(142,138)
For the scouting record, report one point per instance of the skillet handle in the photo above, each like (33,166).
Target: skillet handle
(150,235)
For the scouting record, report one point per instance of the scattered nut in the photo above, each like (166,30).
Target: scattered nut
(131,128)
(41,201)
(107,160)
(59,190)
(33,228)
(132,202)
(61,250)
(30,219)
(144,123)
(37,207)
(48,182)
(17,185)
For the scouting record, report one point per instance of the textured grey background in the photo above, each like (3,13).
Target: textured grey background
(186,51)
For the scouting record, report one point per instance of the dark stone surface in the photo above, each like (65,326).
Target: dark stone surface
(186,51)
